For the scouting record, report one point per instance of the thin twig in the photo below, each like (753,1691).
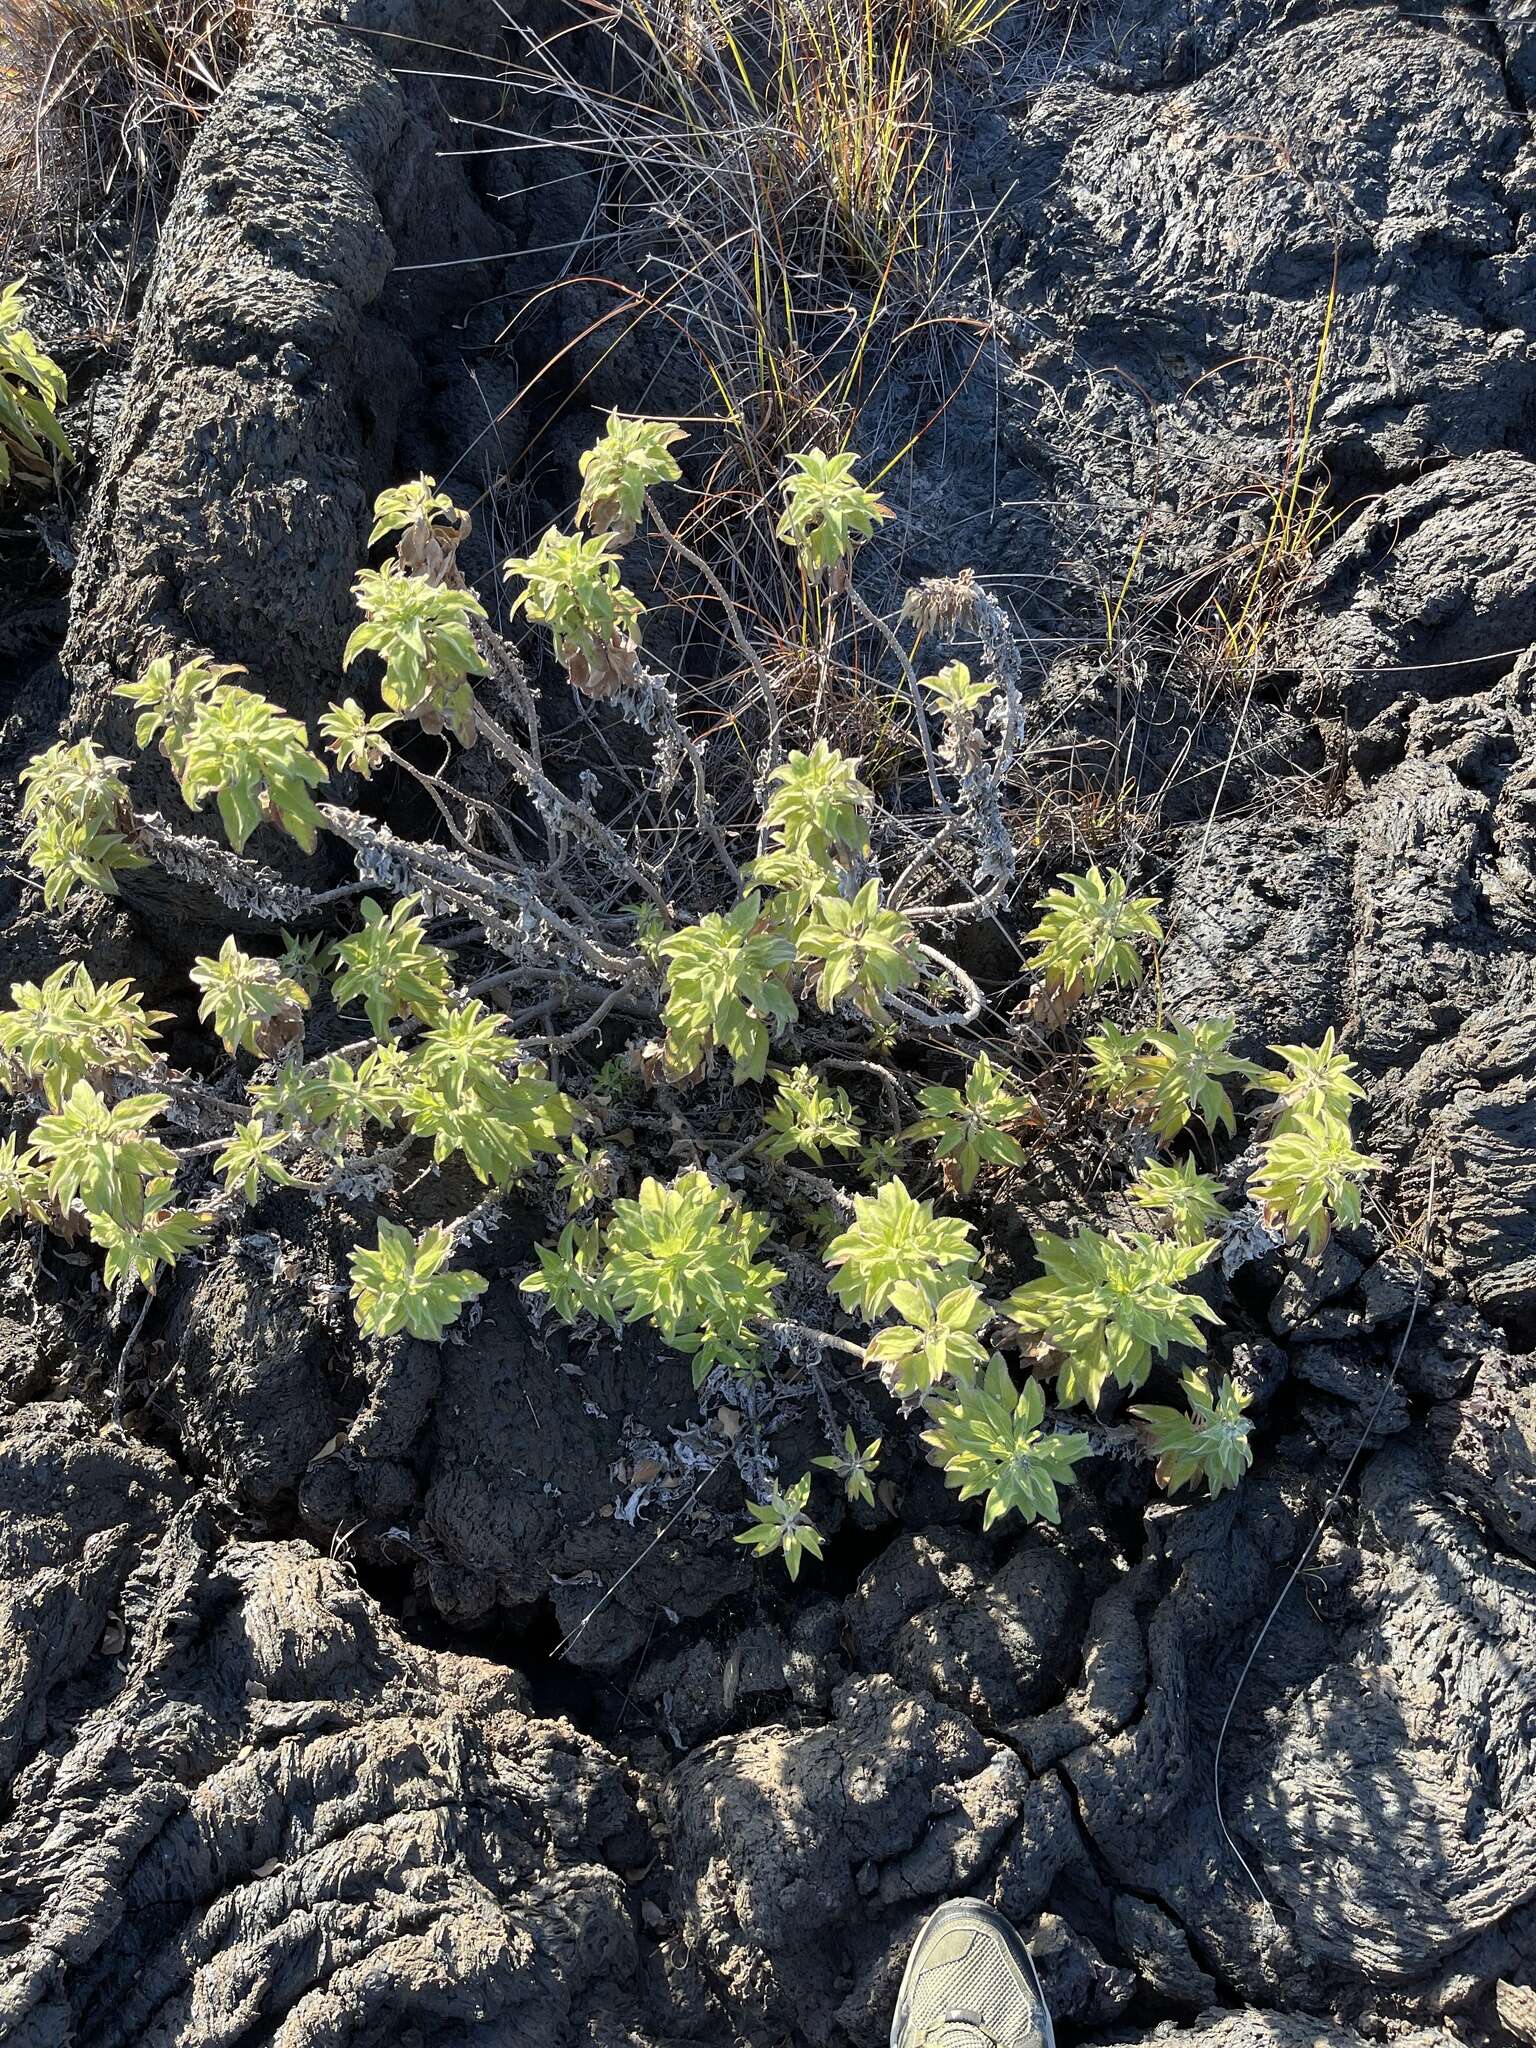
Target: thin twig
(120,1380)
(909,676)
(738,631)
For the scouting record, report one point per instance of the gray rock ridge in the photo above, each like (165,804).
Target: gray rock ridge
(251,1810)
(274,368)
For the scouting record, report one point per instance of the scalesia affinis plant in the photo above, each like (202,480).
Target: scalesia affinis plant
(719,1045)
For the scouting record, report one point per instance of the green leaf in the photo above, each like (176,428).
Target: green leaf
(72,1029)
(400,1285)
(855,1468)
(780,1524)
(827,512)
(938,1337)
(858,950)
(971,1127)
(892,1240)
(725,987)
(418,503)
(955,694)
(1087,935)
(254,761)
(391,967)
(253,1005)
(685,1257)
(632,457)
(97,1153)
(358,742)
(807,1116)
(584,1176)
(252,1157)
(23,1186)
(1209,1443)
(169,699)
(424,634)
(141,1251)
(570,1275)
(459,1094)
(1190,1199)
(818,806)
(572,586)
(294,1099)
(1113,1069)
(794,882)
(342,1102)
(79,819)
(988,1441)
(1309,1178)
(1179,1075)
(32,388)
(1109,1305)
(1314,1081)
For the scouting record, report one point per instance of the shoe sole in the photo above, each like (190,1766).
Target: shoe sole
(1008,1934)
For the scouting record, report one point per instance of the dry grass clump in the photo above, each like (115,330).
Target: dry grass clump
(1297,521)
(813,122)
(99,96)
(774,203)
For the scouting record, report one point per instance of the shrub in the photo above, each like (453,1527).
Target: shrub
(855,1468)
(616,473)
(1109,1304)
(391,968)
(572,586)
(1168,1076)
(252,1005)
(23,1185)
(817,806)
(78,818)
(827,512)
(359,740)
(1309,1171)
(1179,1074)
(862,952)
(685,1258)
(734,1210)
(805,1116)
(457,1092)
(1314,1081)
(97,1155)
(254,761)
(169,699)
(895,1240)
(571,1276)
(970,1125)
(138,1252)
(1190,1199)
(428,528)
(781,1524)
(1308,1179)
(725,988)
(936,1339)
(252,1156)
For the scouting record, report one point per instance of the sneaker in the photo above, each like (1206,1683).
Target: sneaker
(969,1983)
